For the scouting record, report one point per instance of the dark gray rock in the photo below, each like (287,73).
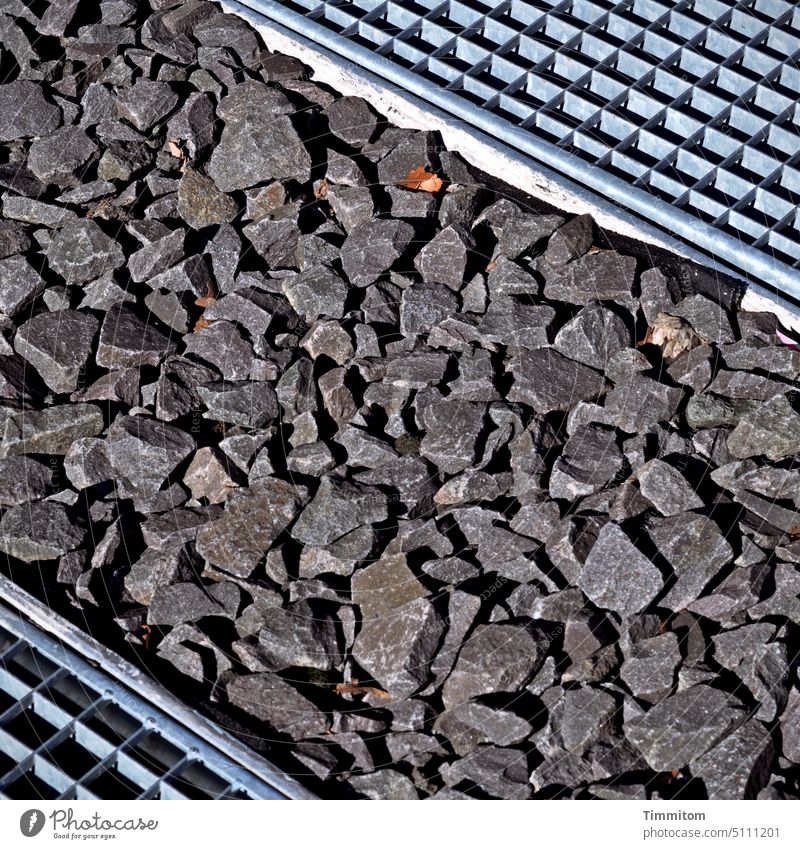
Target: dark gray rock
(201,203)
(23,479)
(444,258)
(617,576)
(707,411)
(156,256)
(514,323)
(591,458)
(259,142)
(372,248)
(500,773)
(252,520)
(19,284)
(127,341)
(771,429)
(224,347)
(13,239)
(352,120)
(278,703)
(650,666)
(25,111)
(338,508)
(639,402)
(297,635)
(452,428)
(682,727)
(41,530)
(86,463)
(58,345)
(696,551)
(49,431)
(593,336)
(186,601)
(570,241)
(739,766)
(37,212)
(708,319)
(320,291)
(424,305)
(62,157)
(397,647)
(547,381)
(587,713)
(468,725)
(145,450)
(81,252)
(604,276)
(146,103)
(246,403)
(496,658)
(667,489)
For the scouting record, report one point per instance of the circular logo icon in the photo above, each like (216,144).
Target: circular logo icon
(31,822)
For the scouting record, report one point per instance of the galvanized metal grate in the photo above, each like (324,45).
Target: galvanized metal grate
(691,103)
(69,731)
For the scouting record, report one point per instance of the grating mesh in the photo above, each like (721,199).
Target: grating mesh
(693,102)
(67,731)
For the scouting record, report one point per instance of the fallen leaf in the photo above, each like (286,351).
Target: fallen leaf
(491,266)
(673,335)
(321,192)
(206,302)
(201,324)
(355,689)
(145,633)
(175,149)
(421,180)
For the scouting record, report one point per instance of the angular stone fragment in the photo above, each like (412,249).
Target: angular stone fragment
(617,576)
(650,666)
(338,508)
(209,476)
(187,602)
(589,461)
(604,276)
(320,291)
(468,725)
(24,112)
(156,256)
(41,530)
(252,520)
(639,402)
(23,479)
(667,489)
(682,727)
(444,258)
(352,120)
(81,252)
(49,431)
(19,284)
(586,714)
(771,429)
(146,102)
(424,305)
(201,203)
(452,428)
(62,157)
(372,248)
(593,336)
(223,346)
(58,345)
(739,766)
(258,142)
(707,318)
(397,647)
(86,463)
(547,381)
(278,703)
(501,773)
(297,635)
(513,322)
(246,403)
(496,658)
(570,241)
(127,341)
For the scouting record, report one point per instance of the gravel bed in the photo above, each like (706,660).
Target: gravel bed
(435,495)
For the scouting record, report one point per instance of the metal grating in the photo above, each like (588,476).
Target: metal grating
(685,112)
(69,731)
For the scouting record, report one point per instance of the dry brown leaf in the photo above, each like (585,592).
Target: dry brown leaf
(206,302)
(145,633)
(321,192)
(491,266)
(201,324)
(673,335)
(355,689)
(421,180)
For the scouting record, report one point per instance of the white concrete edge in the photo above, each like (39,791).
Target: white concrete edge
(520,172)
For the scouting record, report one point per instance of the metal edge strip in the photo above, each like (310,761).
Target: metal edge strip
(685,234)
(93,652)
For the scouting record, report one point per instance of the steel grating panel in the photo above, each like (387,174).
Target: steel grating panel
(69,731)
(685,112)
